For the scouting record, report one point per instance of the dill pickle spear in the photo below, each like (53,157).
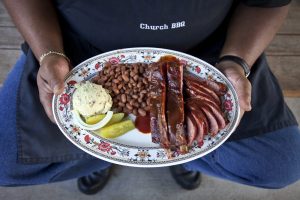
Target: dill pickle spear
(115,130)
(94,119)
(115,119)
(97,118)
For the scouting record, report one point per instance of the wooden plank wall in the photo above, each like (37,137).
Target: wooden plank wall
(10,41)
(283,53)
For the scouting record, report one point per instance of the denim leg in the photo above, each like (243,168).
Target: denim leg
(271,160)
(15,174)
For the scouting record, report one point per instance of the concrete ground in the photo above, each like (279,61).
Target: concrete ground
(131,183)
(152,184)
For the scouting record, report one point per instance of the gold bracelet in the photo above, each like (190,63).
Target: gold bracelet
(43,56)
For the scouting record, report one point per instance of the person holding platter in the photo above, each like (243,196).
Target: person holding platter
(262,152)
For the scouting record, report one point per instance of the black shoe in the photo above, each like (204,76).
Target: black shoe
(188,180)
(93,183)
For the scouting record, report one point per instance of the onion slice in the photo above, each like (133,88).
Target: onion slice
(78,121)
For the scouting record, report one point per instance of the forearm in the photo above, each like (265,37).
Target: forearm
(251,30)
(37,22)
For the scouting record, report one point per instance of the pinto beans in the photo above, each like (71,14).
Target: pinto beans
(128,86)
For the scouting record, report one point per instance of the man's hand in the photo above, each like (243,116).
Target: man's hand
(242,85)
(50,80)
(249,43)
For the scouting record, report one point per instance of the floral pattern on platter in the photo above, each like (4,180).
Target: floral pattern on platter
(135,155)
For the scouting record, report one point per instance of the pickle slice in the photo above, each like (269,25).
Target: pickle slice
(96,118)
(115,119)
(82,124)
(115,130)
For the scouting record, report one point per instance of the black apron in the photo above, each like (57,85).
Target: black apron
(196,27)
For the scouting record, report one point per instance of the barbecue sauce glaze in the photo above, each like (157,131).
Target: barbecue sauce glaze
(142,123)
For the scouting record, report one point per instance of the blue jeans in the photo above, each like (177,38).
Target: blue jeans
(271,160)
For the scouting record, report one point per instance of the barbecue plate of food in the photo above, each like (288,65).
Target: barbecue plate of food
(146,107)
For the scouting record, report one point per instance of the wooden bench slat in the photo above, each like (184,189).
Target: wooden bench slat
(10,38)
(284,45)
(291,93)
(287,71)
(8,59)
(292,22)
(5,19)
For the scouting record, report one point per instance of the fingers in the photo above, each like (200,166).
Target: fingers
(50,80)
(45,95)
(53,71)
(241,84)
(46,100)
(244,94)
(242,112)
(243,88)
(56,79)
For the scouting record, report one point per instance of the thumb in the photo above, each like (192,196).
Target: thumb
(56,79)
(58,88)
